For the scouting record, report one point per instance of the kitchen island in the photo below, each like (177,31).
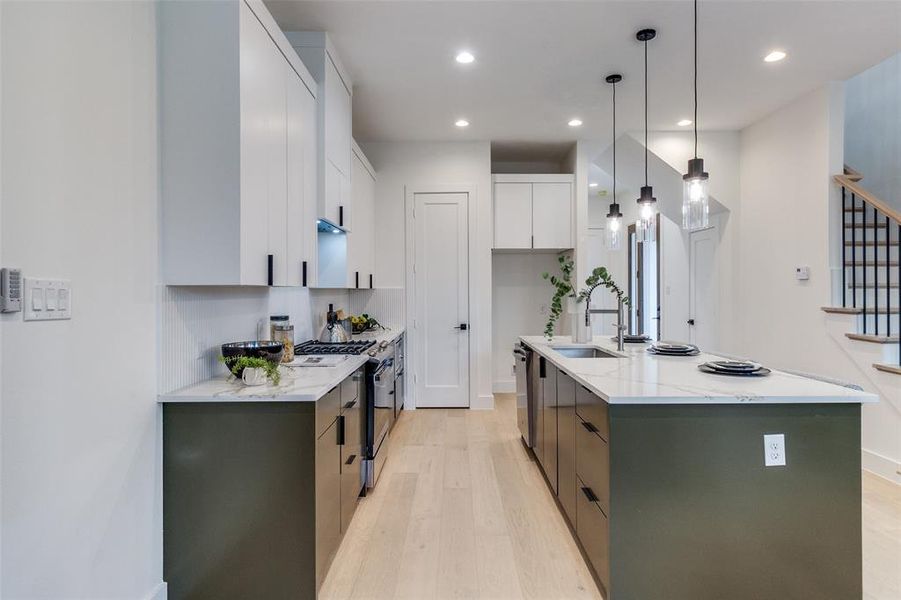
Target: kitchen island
(660,471)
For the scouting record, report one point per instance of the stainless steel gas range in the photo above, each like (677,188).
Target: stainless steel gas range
(379,413)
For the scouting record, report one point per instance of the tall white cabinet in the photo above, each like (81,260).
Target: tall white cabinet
(335,91)
(238,148)
(533,212)
(361,241)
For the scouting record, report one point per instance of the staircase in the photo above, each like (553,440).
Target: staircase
(871,274)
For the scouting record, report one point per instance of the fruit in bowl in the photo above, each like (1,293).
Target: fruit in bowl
(363,323)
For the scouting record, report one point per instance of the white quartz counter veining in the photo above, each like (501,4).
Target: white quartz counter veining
(298,384)
(638,377)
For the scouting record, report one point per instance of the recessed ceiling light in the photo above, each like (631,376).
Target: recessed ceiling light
(684,123)
(592,184)
(465,57)
(774,56)
(462,123)
(575,122)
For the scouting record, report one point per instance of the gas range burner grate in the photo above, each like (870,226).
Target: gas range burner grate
(314,347)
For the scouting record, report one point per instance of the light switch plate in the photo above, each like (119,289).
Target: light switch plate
(47,299)
(774,449)
(802,273)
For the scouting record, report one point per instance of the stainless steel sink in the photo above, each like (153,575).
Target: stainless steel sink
(583,352)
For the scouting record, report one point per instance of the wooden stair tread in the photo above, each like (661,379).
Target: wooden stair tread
(869,286)
(873,339)
(871,243)
(868,225)
(881,263)
(850,310)
(896,369)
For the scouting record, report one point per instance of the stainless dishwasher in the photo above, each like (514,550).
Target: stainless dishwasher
(525,409)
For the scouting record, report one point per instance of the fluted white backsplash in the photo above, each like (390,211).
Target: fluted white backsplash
(196,321)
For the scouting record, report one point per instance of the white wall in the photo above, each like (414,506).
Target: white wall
(520,299)
(787,205)
(420,164)
(873,128)
(81,494)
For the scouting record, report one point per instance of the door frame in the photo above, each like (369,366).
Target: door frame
(413,357)
(630,231)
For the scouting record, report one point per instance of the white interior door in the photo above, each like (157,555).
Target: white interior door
(703,289)
(441,296)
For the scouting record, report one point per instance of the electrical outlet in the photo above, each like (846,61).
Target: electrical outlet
(774,449)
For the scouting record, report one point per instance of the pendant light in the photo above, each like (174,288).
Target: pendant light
(614,233)
(646,226)
(695,203)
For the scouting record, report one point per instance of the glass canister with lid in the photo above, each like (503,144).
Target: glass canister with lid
(281,330)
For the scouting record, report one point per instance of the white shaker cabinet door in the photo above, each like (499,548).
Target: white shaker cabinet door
(301,125)
(552,217)
(512,215)
(257,108)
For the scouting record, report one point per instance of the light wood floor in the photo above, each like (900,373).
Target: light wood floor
(462,512)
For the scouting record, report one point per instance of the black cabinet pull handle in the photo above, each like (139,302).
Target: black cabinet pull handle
(350,404)
(691,321)
(357,279)
(391,393)
(542,368)
(340,431)
(270,268)
(350,459)
(341,216)
(589,494)
(589,426)
(303,271)
(370,281)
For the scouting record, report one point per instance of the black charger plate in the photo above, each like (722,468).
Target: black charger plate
(761,372)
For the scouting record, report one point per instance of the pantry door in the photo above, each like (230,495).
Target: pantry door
(441,332)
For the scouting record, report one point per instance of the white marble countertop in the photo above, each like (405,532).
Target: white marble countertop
(298,384)
(639,377)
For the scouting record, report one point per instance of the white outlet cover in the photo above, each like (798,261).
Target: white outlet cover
(774,449)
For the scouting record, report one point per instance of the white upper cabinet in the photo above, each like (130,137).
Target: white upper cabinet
(552,215)
(361,241)
(334,99)
(533,212)
(238,148)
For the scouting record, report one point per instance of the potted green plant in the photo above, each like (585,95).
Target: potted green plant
(253,370)
(563,289)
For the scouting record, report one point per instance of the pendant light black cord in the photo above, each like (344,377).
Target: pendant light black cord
(646,113)
(696,78)
(614,142)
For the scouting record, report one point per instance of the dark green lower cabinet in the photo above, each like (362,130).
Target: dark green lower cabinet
(674,501)
(566,445)
(256,495)
(593,530)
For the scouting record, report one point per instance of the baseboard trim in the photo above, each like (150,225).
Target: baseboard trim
(483,402)
(881,465)
(504,386)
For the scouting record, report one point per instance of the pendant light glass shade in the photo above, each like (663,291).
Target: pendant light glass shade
(695,203)
(646,225)
(614,231)
(695,198)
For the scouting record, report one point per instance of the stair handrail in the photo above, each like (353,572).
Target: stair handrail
(868,197)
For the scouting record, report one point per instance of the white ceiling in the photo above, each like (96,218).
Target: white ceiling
(539,63)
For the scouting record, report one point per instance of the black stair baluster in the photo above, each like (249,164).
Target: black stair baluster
(888,278)
(876,273)
(863,227)
(844,252)
(853,250)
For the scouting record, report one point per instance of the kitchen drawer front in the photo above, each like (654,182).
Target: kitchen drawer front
(350,391)
(593,410)
(593,530)
(593,463)
(327,410)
